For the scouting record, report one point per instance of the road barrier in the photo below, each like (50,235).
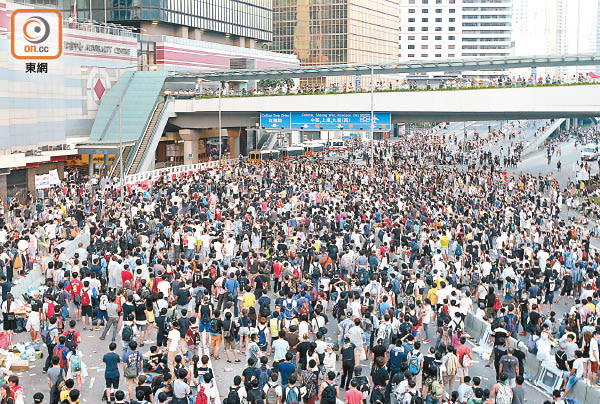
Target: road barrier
(540,374)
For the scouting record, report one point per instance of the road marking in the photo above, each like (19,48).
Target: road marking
(92,380)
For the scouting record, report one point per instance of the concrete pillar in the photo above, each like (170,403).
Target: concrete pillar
(190,145)
(195,33)
(182,31)
(568,124)
(233,138)
(90,164)
(31,173)
(575,123)
(3,193)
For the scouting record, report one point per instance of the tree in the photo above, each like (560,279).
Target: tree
(274,83)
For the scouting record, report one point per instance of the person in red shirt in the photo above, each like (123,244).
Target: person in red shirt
(75,287)
(462,350)
(353,396)
(277,267)
(72,334)
(126,275)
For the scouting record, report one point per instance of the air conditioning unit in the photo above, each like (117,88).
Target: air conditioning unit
(550,377)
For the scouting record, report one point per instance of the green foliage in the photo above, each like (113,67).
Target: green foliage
(274,83)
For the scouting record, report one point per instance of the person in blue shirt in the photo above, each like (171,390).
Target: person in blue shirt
(232,285)
(286,369)
(111,373)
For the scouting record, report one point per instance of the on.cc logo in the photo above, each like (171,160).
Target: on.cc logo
(36,29)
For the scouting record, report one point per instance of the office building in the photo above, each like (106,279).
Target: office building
(336,31)
(440,29)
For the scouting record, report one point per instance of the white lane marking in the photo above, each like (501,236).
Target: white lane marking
(92,380)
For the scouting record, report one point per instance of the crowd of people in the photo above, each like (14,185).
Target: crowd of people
(382,84)
(329,281)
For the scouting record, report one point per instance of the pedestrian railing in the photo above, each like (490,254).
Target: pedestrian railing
(174,172)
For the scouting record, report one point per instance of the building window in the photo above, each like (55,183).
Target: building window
(411,55)
(438,38)
(451,38)
(451,29)
(438,20)
(452,1)
(451,55)
(424,46)
(451,46)
(425,10)
(411,28)
(438,46)
(424,29)
(438,55)
(411,46)
(452,11)
(452,19)
(438,28)
(411,11)
(411,20)
(424,38)
(438,11)
(425,1)
(438,1)
(423,55)
(425,20)
(411,38)
(411,1)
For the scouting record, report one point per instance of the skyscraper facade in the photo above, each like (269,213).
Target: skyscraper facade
(431,29)
(336,31)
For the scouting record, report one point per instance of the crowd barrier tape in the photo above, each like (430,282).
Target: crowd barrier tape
(540,374)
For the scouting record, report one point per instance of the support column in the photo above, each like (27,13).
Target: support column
(567,124)
(190,145)
(3,193)
(90,164)
(233,138)
(575,123)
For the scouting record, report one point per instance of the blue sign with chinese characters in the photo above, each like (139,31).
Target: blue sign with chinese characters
(326,120)
(275,120)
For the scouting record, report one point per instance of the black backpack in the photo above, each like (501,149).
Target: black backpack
(329,394)
(233,397)
(127,333)
(265,310)
(378,394)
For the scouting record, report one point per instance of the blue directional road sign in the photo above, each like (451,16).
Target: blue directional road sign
(275,120)
(326,120)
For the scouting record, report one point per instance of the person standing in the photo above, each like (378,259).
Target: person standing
(349,360)
(132,366)
(50,339)
(111,372)
(112,311)
(509,365)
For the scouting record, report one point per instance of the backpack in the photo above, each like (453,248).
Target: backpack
(233,397)
(304,309)
(497,304)
(265,310)
(291,396)
(127,333)
(263,378)
(452,365)
(532,345)
(415,398)
(60,352)
(262,338)
(46,339)
(201,397)
(214,326)
(414,365)
(75,362)
(504,395)
(271,396)
(329,395)
(131,370)
(561,360)
(397,357)
(410,289)
(308,382)
(475,278)
(437,390)
(378,394)
(85,298)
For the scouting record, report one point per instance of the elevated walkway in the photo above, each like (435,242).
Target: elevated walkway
(540,139)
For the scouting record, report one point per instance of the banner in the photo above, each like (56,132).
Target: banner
(45,181)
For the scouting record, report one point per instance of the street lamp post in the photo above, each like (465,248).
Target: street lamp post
(220,145)
(372,120)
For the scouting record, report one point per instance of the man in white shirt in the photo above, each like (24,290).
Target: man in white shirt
(173,345)
(576,372)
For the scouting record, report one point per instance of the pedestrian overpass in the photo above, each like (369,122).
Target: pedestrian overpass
(536,102)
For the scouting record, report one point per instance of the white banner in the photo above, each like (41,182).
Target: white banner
(47,180)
